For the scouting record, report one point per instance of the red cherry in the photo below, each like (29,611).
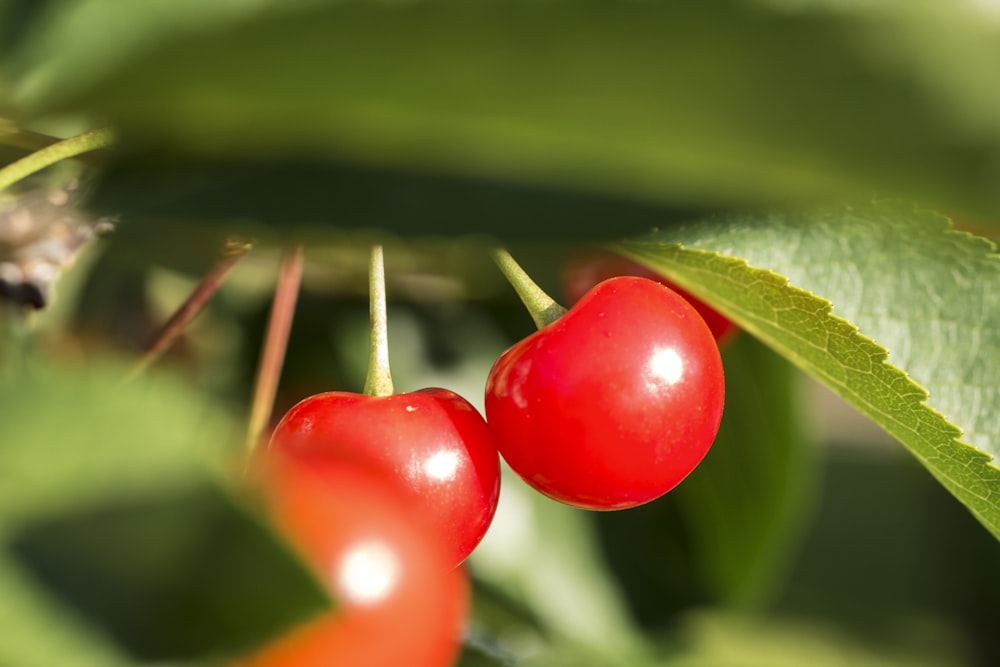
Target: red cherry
(615,402)
(586,270)
(433,443)
(398,600)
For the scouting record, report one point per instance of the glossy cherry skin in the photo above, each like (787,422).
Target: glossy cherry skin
(614,403)
(585,270)
(398,600)
(432,443)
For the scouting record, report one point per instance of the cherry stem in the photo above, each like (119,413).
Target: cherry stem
(272,357)
(26,140)
(543,309)
(232,253)
(378,381)
(48,156)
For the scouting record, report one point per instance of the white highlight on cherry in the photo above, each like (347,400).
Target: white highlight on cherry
(368,573)
(665,367)
(442,466)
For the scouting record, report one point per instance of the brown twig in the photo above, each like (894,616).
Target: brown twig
(272,356)
(182,317)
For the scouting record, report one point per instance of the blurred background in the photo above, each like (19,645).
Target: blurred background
(807,536)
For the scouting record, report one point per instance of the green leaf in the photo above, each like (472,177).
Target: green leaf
(172,576)
(711,639)
(159,197)
(116,530)
(724,536)
(927,294)
(78,435)
(721,101)
(746,503)
(40,632)
(544,556)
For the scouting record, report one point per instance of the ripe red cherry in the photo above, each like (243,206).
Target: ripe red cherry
(398,599)
(432,443)
(614,403)
(585,270)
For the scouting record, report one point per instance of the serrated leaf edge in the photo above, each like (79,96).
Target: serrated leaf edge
(986,510)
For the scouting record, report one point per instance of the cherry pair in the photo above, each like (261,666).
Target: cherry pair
(607,406)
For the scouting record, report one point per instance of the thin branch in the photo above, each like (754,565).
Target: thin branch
(195,303)
(275,344)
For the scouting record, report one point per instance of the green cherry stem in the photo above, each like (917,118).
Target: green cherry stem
(272,356)
(543,309)
(61,150)
(22,139)
(378,381)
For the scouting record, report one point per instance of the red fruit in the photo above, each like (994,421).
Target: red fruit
(398,599)
(586,270)
(614,403)
(432,443)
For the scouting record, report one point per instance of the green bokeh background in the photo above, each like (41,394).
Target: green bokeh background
(438,128)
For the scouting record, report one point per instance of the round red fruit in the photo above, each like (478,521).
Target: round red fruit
(432,443)
(614,403)
(584,271)
(398,600)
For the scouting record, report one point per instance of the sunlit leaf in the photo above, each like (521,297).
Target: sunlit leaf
(926,294)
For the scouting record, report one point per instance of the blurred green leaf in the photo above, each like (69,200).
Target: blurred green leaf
(67,38)
(722,101)
(116,529)
(926,294)
(173,204)
(888,535)
(40,632)
(724,640)
(725,534)
(178,576)
(544,556)
(73,435)
(746,504)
